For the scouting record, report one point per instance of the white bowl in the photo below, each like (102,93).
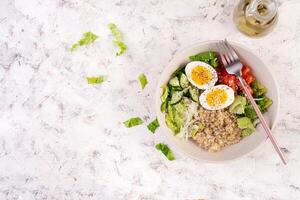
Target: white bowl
(262,73)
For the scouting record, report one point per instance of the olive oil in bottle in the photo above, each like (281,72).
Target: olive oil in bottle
(255,17)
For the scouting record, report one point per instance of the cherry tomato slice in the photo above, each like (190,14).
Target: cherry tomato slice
(249,78)
(232,81)
(245,69)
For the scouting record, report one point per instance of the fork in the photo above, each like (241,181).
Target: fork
(233,66)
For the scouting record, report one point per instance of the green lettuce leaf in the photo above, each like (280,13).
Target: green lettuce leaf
(86,39)
(118,39)
(153,125)
(165,150)
(143,80)
(258,89)
(208,57)
(135,121)
(96,79)
(165,92)
(175,116)
(250,112)
(163,106)
(264,104)
(172,125)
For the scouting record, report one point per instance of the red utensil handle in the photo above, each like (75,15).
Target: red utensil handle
(262,120)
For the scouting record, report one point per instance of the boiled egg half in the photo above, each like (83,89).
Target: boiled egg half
(217,97)
(201,75)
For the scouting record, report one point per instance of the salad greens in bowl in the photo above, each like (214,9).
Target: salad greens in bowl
(203,110)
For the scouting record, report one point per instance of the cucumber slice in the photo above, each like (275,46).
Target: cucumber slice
(185,90)
(194,93)
(174,89)
(176,97)
(184,82)
(174,82)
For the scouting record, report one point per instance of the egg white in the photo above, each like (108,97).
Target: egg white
(214,76)
(228,102)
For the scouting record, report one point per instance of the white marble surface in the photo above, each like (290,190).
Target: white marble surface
(63,139)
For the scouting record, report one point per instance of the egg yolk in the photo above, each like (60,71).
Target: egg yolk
(216,97)
(201,75)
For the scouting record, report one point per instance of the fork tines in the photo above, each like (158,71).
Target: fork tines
(227,53)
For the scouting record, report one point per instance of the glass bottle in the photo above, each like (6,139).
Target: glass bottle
(255,17)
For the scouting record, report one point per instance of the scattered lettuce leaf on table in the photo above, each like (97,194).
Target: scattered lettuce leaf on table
(122,47)
(165,150)
(86,39)
(118,39)
(143,80)
(152,126)
(208,57)
(135,121)
(96,79)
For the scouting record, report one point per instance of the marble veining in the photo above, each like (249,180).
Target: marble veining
(63,139)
